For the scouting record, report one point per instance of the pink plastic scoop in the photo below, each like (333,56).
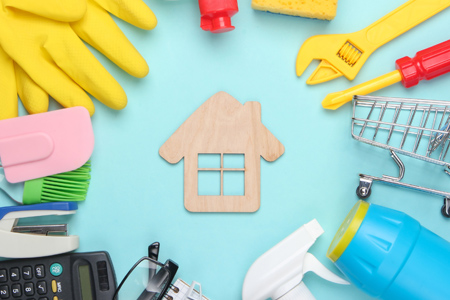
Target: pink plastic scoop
(45,144)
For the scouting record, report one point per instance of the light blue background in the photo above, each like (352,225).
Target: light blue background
(136,197)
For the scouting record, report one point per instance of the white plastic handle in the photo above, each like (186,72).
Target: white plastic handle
(311,263)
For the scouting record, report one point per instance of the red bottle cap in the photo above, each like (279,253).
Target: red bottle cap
(216,15)
(216,24)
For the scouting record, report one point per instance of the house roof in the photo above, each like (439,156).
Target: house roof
(222,125)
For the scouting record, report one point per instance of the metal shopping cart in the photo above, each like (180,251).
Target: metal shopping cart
(414,127)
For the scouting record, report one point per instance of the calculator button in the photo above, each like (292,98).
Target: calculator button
(27,273)
(40,272)
(55,297)
(41,287)
(54,288)
(14,274)
(4,292)
(56,269)
(16,290)
(29,289)
(3,275)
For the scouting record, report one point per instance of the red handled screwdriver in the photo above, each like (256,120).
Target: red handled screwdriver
(427,64)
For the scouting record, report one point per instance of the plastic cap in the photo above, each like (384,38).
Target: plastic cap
(298,292)
(347,230)
(216,24)
(221,24)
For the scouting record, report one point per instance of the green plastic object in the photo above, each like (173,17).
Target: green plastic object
(68,186)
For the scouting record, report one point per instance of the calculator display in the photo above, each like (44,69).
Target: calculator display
(85,282)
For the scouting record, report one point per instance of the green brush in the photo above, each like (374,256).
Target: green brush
(68,186)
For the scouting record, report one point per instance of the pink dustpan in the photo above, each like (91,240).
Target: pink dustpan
(45,144)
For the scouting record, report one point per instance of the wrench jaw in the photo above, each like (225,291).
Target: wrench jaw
(323,73)
(339,56)
(311,49)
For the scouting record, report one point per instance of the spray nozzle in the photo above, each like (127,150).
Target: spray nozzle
(278,273)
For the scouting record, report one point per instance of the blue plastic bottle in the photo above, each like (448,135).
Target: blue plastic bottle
(389,255)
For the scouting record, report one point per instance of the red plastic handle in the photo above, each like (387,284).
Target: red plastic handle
(427,64)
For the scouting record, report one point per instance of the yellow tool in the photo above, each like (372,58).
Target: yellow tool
(337,99)
(344,54)
(427,64)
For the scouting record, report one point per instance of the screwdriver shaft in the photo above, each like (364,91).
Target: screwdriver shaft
(336,100)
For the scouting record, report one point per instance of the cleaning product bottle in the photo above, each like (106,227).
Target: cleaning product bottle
(278,273)
(216,15)
(389,255)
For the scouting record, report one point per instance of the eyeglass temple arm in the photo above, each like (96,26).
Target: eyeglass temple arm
(153,253)
(153,250)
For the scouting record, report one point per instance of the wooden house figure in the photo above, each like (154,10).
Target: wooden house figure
(222,126)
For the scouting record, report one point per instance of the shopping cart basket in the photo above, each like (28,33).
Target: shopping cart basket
(414,127)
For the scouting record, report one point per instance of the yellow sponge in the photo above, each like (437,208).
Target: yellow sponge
(319,9)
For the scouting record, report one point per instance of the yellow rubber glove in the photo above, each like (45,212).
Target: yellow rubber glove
(13,81)
(99,30)
(8,99)
(57,60)
(59,10)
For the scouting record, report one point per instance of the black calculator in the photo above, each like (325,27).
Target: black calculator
(73,276)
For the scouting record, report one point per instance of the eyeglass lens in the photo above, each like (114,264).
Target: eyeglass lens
(146,282)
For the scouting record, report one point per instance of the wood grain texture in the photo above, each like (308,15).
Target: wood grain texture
(222,125)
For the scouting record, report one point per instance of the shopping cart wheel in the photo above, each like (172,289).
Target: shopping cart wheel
(444,210)
(363,192)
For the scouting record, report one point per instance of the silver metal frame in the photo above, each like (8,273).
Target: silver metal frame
(433,126)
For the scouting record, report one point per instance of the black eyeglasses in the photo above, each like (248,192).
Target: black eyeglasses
(148,279)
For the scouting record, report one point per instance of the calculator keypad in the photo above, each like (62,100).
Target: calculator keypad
(53,277)
(27,281)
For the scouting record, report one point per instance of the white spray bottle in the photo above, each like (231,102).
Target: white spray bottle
(278,273)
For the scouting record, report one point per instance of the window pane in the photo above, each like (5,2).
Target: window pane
(233,161)
(209,161)
(209,183)
(233,183)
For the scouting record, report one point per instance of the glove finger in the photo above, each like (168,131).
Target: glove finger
(34,98)
(8,99)
(74,58)
(59,10)
(53,80)
(135,12)
(22,37)
(57,84)
(99,30)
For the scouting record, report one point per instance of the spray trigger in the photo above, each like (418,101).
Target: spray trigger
(278,273)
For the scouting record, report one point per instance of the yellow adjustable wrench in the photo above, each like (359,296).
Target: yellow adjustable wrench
(344,54)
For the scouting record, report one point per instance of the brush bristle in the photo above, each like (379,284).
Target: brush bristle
(68,186)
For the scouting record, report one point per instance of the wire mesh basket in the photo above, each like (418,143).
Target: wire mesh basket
(414,127)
